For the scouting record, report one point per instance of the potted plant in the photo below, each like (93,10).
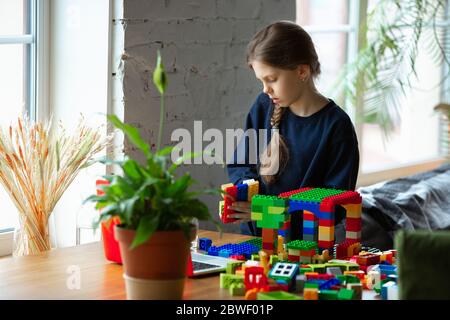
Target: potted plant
(156,209)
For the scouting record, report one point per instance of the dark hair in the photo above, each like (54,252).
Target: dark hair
(284,45)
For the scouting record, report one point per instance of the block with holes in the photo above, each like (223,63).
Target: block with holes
(284,271)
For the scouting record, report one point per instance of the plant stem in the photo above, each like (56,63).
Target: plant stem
(161,122)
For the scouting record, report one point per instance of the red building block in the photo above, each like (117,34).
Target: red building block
(325,244)
(326,223)
(254,278)
(353,224)
(290,193)
(368,259)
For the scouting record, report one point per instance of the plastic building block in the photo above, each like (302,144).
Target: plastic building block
(316,194)
(302,245)
(225,253)
(368,259)
(251,294)
(254,278)
(328,295)
(357,289)
(232,266)
(299,284)
(204,244)
(255,241)
(345,294)
(244,249)
(373,278)
(293,192)
(226,280)
(310,294)
(277,295)
(384,289)
(334,270)
(284,271)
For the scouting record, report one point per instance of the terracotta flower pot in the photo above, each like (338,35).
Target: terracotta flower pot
(157,268)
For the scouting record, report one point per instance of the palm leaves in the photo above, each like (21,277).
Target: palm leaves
(384,69)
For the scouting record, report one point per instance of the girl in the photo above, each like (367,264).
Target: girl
(312,138)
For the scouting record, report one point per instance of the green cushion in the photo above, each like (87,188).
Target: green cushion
(423,260)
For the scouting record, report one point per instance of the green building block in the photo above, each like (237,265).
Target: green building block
(273,259)
(232,266)
(268,201)
(320,268)
(316,195)
(302,245)
(311,285)
(226,280)
(255,241)
(345,294)
(255,257)
(348,278)
(237,289)
(328,295)
(303,270)
(345,266)
(277,295)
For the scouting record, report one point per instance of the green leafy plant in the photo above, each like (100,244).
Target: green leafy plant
(384,68)
(150,197)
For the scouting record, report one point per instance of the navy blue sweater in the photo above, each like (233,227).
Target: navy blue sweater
(323,151)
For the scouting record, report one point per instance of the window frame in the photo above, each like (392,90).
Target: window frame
(36,63)
(357,17)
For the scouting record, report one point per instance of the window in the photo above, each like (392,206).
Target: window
(334,27)
(18,75)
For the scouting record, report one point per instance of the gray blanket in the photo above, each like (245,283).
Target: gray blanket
(421,201)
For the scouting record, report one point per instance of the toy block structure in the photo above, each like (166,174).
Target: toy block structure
(321,203)
(301,251)
(241,192)
(270,214)
(318,205)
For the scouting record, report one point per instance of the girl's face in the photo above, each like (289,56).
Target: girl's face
(283,86)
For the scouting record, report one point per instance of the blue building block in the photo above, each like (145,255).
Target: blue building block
(242,192)
(296,205)
(213,251)
(309,224)
(204,244)
(384,289)
(308,231)
(325,215)
(225,253)
(387,269)
(329,283)
(245,249)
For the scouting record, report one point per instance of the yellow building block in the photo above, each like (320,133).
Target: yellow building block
(326,233)
(353,210)
(256,216)
(277,210)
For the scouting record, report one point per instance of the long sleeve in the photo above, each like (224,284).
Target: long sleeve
(245,157)
(343,165)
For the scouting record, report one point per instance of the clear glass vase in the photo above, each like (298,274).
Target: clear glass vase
(32,239)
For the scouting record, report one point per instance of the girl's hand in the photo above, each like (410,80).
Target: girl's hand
(243,209)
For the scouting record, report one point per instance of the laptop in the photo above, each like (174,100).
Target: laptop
(205,264)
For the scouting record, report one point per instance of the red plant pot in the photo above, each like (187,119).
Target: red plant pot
(110,244)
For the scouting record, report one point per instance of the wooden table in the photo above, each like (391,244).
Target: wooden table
(50,275)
